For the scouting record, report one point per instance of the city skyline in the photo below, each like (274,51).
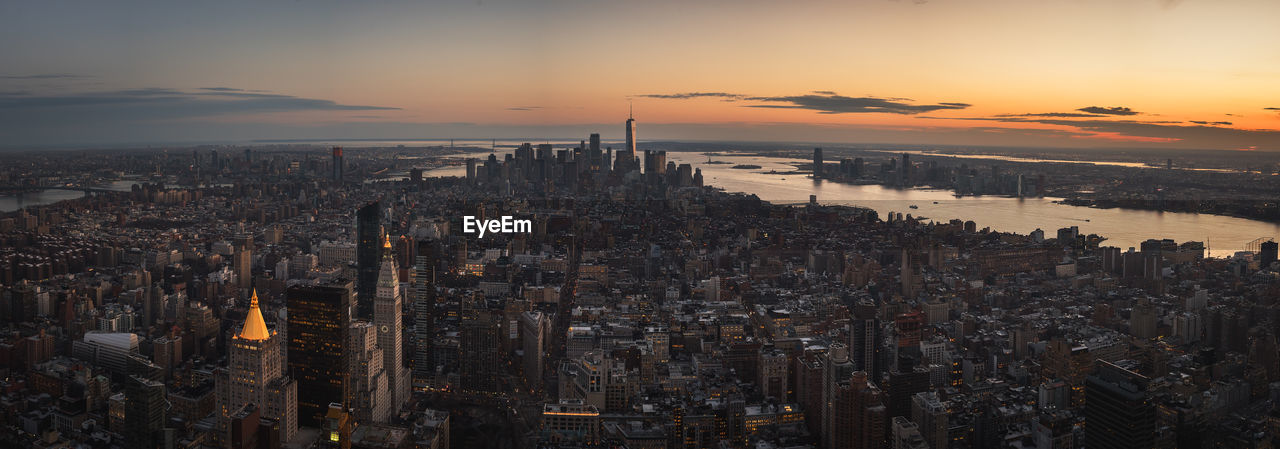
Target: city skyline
(1161,74)
(917,224)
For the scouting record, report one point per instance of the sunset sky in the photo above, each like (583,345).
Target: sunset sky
(1069,73)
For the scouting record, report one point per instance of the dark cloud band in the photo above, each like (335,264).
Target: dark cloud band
(1116,110)
(824,102)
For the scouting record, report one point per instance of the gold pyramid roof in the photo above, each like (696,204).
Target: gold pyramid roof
(255,328)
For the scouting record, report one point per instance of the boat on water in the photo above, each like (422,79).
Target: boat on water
(914,206)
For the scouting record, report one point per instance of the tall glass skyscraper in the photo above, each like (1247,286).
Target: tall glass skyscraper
(319,316)
(368,257)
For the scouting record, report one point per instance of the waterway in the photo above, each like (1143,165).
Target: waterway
(10,202)
(1122,227)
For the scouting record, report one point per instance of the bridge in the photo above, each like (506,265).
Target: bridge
(1255,245)
(86,190)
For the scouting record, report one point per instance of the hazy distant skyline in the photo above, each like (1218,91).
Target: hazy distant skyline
(1078,73)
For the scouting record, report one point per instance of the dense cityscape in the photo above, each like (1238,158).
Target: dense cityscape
(290,297)
(665,224)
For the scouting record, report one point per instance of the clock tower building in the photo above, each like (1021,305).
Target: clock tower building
(388,318)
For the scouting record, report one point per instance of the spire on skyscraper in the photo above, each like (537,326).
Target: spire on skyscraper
(255,328)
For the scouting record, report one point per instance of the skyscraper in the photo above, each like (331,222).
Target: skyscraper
(534,328)
(906,169)
(835,368)
(424,299)
(388,318)
(318,320)
(143,413)
(369,238)
(817,162)
(255,375)
(339,169)
(1267,253)
(367,390)
(243,268)
(594,152)
(856,414)
(865,337)
(631,138)
(480,357)
(1118,411)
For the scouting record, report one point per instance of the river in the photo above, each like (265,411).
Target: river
(1122,227)
(10,202)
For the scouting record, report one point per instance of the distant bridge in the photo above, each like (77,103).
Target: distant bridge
(1256,245)
(86,190)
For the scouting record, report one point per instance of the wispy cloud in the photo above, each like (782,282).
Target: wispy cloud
(822,101)
(524,108)
(1200,122)
(839,104)
(1052,114)
(1115,110)
(688,95)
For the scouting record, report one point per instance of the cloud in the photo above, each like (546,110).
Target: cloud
(524,108)
(1272,109)
(822,101)
(1052,114)
(688,95)
(42,76)
(1199,122)
(1117,110)
(839,104)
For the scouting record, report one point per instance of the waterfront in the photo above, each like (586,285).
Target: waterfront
(1122,227)
(10,202)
